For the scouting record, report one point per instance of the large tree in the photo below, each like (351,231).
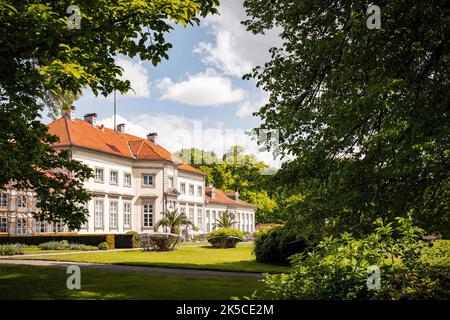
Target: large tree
(364,111)
(45,53)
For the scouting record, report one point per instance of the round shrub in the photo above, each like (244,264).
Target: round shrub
(225,238)
(103,246)
(11,249)
(277,244)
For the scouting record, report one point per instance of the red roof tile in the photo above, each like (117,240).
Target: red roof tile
(221,197)
(82,134)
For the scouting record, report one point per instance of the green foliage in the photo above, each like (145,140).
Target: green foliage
(226,232)
(65,245)
(277,244)
(41,59)
(159,241)
(173,220)
(364,113)
(225,220)
(11,249)
(118,240)
(134,239)
(237,171)
(338,268)
(103,246)
(225,238)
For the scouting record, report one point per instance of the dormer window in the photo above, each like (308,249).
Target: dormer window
(213,193)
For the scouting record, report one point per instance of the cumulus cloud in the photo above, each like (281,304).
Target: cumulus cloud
(202,89)
(248,107)
(137,74)
(177,132)
(235,51)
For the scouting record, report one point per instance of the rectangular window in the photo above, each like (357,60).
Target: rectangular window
(208,221)
(98,214)
(21,226)
(148,215)
(171,182)
(57,227)
(183,188)
(41,226)
(183,210)
(3,224)
(21,201)
(191,215)
(3,200)
(126,215)
(113,214)
(99,175)
(85,225)
(191,189)
(199,191)
(199,218)
(114,177)
(127,179)
(214,219)
(147,180)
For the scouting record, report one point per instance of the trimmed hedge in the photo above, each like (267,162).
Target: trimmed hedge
(120,241)
(277,244)
(226,232)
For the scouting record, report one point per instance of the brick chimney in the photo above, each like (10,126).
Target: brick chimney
(152,136)
(91,118)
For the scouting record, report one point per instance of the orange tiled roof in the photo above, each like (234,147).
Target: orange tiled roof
(221,197)
(81,133)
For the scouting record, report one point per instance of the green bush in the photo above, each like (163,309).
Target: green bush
(103,246)
(55,245)
(277,244)
(132,237)
(226,232)
(11,249)
(225,238)
(343,268)
(65,245)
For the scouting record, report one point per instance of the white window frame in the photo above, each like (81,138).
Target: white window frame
(4,200)
(21,201)
(148,185)
(96,179)
(147,210)
(171,182)
(200,218)
(125,182)
(191,215)
(191,186)
(99,216)
(127,215)
(113,214)
(21,226)
(200,191)
(3,224)
(183,187)
(116,183)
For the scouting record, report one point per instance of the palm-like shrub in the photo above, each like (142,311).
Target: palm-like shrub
(225,220)
(173,220)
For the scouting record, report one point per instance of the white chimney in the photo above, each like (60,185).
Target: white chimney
(70,114)
(213,193)
(152,136)
(121,128)
(91,118)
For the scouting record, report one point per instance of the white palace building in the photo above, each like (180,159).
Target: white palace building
(135,181)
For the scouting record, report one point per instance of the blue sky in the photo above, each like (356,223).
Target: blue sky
(200,85)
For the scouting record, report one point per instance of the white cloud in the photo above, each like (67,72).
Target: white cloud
(247,107)
(236,51)
(202,89)
(177,132)
(138,76)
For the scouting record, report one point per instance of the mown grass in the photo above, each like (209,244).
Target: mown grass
(31,282)
(191,257)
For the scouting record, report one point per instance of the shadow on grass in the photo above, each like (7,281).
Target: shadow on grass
(31,282)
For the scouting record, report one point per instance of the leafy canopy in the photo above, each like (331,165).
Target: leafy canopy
(365,113)
(40,57)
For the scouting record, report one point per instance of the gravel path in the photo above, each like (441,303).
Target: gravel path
(127,268)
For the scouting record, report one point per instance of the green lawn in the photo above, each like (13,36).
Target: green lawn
(192,257)
(29,282)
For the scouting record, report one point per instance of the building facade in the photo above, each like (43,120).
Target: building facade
(135,181)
